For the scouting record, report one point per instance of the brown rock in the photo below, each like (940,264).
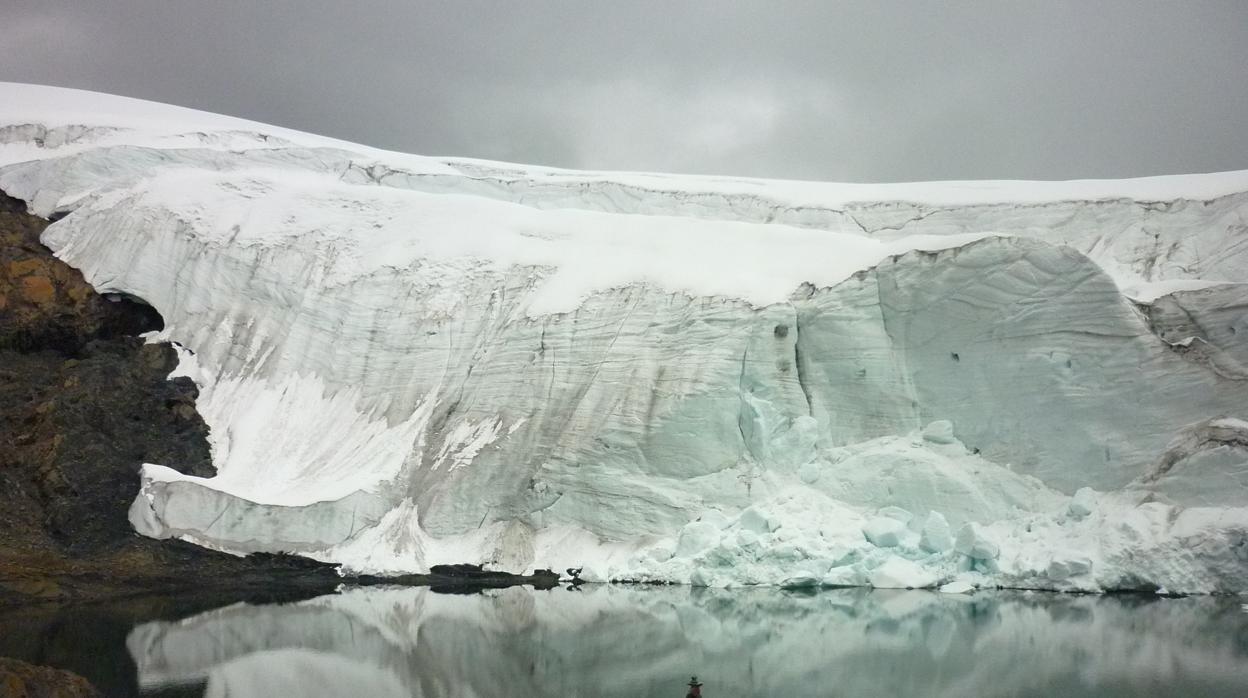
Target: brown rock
(38,290)
(77,292)
(83,404)
(22,267)
(22,680)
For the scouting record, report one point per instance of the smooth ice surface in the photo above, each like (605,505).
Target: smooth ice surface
(407,361)
(630,642)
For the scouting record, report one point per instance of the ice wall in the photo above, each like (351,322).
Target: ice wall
(407,361)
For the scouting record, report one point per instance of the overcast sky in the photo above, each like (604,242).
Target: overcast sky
(851,91)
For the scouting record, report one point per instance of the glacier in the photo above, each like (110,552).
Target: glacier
(406,360)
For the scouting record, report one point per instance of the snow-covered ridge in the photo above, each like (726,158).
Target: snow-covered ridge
(409,360)
(67,120)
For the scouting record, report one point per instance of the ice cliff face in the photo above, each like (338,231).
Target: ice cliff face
(407,361)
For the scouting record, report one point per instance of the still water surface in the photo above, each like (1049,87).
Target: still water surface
(628,641)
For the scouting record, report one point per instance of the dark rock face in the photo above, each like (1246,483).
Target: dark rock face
(83,404)
(22,680)
(45,305)
(78,428)
(82,401)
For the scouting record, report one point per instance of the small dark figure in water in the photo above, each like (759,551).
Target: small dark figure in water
(695,688)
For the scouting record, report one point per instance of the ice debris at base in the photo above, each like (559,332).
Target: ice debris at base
(940,432)
(935,536)
(957,586)
(900,573)
(885,532)
(407,361)
(1083,503)
(972,542)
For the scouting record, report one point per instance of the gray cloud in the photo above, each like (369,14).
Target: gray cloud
(871,91)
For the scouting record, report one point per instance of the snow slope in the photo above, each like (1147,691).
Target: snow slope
(408,360)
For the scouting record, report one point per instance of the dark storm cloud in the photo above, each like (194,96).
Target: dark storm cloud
(817,90)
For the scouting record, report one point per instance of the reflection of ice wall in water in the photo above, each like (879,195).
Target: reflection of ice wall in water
(629,642)
(407,361)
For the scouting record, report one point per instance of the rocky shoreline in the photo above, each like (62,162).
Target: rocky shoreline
(83,403)
(26,680)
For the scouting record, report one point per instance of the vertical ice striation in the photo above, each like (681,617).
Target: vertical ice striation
(407,361)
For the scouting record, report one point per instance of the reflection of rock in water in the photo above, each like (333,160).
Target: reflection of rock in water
(642,642)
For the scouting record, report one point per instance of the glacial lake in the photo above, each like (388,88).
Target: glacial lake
(642,641)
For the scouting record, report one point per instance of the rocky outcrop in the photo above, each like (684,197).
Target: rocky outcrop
(45,305)
(22,680)
(83,403)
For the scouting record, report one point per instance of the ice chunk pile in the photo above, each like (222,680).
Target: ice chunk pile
(406,361)
(1089,542)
